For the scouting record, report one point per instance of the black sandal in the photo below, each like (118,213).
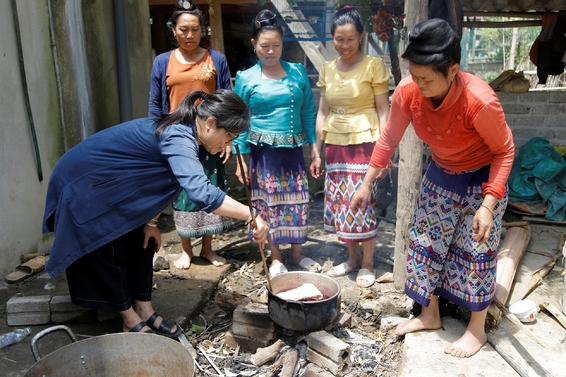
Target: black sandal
(165,327)
(139,326)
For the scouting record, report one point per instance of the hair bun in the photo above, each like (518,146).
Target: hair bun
(432,36)
(185,5)
(268,18)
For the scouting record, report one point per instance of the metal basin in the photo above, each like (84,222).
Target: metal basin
(304,316)
(117,355)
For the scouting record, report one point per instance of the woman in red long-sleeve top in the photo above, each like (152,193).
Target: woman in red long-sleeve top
(456,226)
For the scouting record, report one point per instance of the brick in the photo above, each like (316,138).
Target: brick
(534,97)
(329,346)
(254,314)
(516,108)
(63,304)
(313,370)
(29,318)
(345,321)
(337,369)
(555,121)
(26,304)
(246,344)
(252,332)
(506,97)
(557,96)
(546,109)
(531,121)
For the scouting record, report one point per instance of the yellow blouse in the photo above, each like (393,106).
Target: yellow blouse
(351,97)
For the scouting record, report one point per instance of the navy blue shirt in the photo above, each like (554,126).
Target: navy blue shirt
(115,181)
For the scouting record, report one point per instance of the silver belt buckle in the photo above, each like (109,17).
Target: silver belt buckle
(341,111)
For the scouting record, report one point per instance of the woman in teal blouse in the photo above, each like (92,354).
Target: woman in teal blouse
(283,117)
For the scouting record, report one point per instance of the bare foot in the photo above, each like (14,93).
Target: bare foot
(184,262)
(468,345)
(417,324)
(213,258)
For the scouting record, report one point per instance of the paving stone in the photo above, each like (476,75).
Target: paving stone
(26,304)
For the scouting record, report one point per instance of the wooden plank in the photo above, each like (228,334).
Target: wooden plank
(501,24)
(411,151)
(515,355)
(511,250)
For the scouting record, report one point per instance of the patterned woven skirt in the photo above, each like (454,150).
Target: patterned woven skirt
(190,221)
(280,192)
(346,167)
(443,258)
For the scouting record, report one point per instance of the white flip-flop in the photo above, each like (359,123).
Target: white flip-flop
(367,275)
(309,265)
(276,269)
(340,270)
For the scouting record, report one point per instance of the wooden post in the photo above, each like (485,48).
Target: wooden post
(217,37)
(410,165)
(395,68)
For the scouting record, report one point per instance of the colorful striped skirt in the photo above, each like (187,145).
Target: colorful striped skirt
(280,192)
(443,258)
(346,167)
(190,221)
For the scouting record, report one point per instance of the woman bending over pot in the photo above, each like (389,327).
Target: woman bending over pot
(104,194)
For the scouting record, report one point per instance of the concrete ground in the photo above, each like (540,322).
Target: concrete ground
(183,295)
(537,348)
(179,297)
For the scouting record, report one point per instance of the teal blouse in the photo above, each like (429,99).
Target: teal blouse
(283,113)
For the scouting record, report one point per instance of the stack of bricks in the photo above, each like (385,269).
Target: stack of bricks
(41,310)
(328,352)
(252,327)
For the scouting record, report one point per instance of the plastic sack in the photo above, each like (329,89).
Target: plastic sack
(511,81)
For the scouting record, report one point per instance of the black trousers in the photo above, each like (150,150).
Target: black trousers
(110,277)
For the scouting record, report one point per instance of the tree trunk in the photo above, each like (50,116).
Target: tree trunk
(513,52)
(410,165)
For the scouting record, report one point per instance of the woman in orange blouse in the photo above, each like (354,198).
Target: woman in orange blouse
(456,226)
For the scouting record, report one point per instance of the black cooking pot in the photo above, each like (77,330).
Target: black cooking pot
(304,316)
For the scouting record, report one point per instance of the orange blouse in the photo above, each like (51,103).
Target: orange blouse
(183,79)
(466,132)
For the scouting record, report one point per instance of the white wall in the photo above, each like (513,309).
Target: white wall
(22,194)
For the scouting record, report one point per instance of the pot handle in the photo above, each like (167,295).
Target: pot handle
(48,330)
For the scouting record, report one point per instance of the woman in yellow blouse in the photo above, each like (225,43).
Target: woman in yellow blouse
(354,101)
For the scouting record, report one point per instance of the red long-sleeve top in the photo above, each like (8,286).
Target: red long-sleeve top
(466,132)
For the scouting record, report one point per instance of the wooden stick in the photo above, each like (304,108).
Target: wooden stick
(248,196)
(540,274)
(514,223)
(511,317)
(266,354)
(561,318)
(211,362)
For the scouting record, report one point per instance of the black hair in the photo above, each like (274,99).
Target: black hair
(347,14)
(265,20)
(229,110)
(434,43)
(188,7)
